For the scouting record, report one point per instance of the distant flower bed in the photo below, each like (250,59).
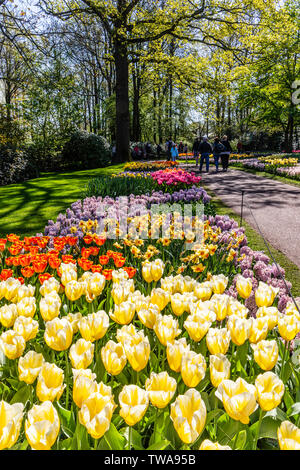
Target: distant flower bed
(149,166)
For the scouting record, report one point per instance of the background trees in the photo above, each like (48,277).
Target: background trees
(141,70)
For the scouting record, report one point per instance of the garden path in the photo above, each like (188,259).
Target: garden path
(275,206)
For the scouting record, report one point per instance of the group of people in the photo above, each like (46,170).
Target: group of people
(202,149)
(220,148)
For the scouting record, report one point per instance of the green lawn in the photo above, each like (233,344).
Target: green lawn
(264,174)
(256,242)
(25,208)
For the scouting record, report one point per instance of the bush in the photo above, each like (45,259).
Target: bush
(85,150)
(15,166)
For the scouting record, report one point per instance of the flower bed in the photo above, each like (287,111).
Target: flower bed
(148,343)
(149,166)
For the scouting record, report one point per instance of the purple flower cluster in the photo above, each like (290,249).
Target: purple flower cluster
(94,208)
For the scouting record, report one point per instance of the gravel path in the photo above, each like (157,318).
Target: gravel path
(275,206)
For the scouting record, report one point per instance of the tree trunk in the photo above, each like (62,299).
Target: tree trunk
(122,102)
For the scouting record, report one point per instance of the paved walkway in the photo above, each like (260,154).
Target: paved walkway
(275,206)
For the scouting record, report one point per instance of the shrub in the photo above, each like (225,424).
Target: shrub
(85,150)
(15,166)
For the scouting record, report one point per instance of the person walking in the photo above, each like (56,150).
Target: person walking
(180,148)
(225,153)
(195,149)
(205,150)
(174,152)
(217,149)
(158,150)
(169,146)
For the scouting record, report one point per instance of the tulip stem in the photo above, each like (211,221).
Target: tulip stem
(95,444)
(286,347)
(261,415)
(67,379)
(129,437)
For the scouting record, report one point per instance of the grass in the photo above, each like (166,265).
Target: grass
(271,176)
(25,208)
(256,242)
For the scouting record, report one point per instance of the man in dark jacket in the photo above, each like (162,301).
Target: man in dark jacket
(225,153)
(205,150)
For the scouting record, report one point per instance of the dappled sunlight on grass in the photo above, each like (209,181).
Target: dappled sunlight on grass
(25,208)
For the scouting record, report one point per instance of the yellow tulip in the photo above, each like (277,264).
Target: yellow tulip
(292,310)
(288,436)
(148,315)
(94,326)
(50,285)
(138,352)
(270,313)
(50,306)
(219,368)
(12,344)
(188,414)
(239,329)
(96,413)
(219,304)
(265,295)
(26,327)
(8,315)
(270,390)
(209,445)
(219,283)
(11,417)
(166,329)
(95,284)
(188,284)
(58,334)
(81,354)
(197,325)
(134,402)
(175,351)
(203,291)
(259,329)
(167,284)
(74,290)
(113,357)
(153,270)
(50,384)
(244,286)
(239,399)
(265,354)
(25,291)
(26,307)
(12,287)
(123,313)
(83,387)
(74,319)
(161,388)
(193,368)
(127,333)
(236,308)
(119,275)
(83,373)
(29,366)
(160,298)
(218,340)
(288,326)
(42,426)
(120,293)
(69,273)
(141,302)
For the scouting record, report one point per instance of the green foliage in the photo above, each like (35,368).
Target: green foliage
(85,150)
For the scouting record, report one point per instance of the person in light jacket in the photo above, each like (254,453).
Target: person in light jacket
(174,152)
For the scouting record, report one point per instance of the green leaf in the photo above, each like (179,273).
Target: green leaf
(21,396)
(214,414)
(287,372)
(114,438)
(241,440)
(288,400)
(161,445)
(277,414)
(294,409)
(268,428)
